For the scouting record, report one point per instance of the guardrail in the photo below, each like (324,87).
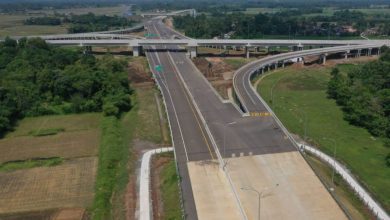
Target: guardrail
(173,142)
(352,182)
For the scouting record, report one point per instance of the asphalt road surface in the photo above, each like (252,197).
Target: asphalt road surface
(190,140)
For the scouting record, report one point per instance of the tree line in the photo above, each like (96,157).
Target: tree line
(82,23)
(289,23)
(364,95)
(40,79)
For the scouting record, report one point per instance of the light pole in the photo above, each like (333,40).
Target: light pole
(334,159)
(224,139)
(259,195)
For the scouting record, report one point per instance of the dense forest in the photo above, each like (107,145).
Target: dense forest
(289,22)
(83,23)
(364,95)
(39,79)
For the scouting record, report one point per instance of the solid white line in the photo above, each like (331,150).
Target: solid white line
(165,85)
(170,96)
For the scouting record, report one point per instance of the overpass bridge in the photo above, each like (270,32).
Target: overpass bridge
(191,45)
(191,12)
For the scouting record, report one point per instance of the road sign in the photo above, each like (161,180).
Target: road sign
(148,35)
(158,68)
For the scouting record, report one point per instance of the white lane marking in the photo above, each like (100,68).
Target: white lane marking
(171,100)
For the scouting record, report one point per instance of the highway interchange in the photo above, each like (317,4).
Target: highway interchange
(203,126)
(186,88)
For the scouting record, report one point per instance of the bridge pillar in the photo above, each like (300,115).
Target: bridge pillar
(323,58)
(247,52)
(346,54)
(193,51)
(283,64)
(267,49)
(276,65)
(137,50)
(300,47)
(369,51)
(359,53)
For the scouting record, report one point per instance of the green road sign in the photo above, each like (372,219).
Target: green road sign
(158,68)
(147,35)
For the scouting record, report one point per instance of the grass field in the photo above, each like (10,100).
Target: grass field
(170,190)
(53,171)
(79,138)
(69,123)
(12,24)
(114,10)
(300,94)
(67,185)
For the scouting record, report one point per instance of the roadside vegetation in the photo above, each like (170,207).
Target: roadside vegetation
(364,95)
(301,101)
(113,158)
(170,190)
(39,79)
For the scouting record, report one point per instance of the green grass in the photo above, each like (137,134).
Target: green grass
(69,123)
(116,157)
(113,157)
(344,194)
(26,164)
(46,132)
(304,92)
(149,129)
(170,190)
(236,63)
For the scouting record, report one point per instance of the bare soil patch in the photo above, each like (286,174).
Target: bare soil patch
(68,185)
(70,214)
(139,71)
(217,72)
